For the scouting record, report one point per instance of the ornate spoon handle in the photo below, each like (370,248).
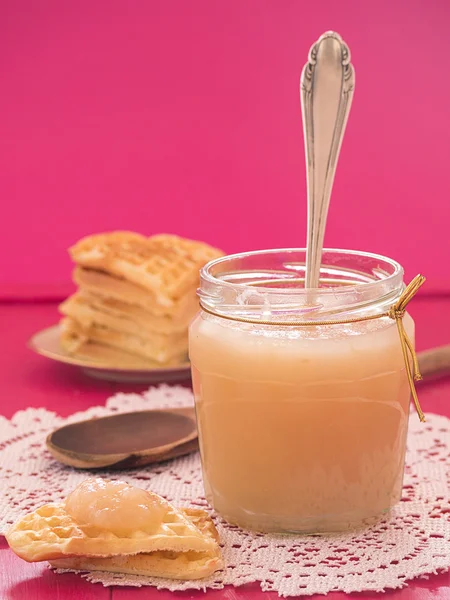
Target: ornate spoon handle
(326,91)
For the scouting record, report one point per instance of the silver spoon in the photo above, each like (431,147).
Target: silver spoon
(326,91)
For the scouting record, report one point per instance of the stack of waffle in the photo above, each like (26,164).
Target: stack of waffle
(135,298)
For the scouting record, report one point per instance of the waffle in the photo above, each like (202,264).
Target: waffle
(156,347)
(128,294)
(136,295)
(113,358)
(50,533)
(88,309)
(172,565)
(166,265)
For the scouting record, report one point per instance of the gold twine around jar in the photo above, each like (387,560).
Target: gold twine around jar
(396,313)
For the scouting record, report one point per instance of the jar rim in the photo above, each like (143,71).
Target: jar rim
(206,274)
(269,284)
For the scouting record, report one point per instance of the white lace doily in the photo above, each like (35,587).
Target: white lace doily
(413,541)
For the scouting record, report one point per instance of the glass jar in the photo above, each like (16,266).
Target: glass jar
(301,428)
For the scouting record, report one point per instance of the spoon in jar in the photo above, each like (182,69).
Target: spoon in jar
(326,91)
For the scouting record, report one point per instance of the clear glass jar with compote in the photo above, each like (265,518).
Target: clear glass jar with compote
(302,427)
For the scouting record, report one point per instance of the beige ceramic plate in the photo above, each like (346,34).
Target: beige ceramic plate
(102,362)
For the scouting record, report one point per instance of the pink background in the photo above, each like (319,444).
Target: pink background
(184,116)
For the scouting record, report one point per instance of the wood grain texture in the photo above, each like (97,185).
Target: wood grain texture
(436,589)
(20,580)
(435,362)
(125,440)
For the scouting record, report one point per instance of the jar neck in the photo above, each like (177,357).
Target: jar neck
(269,286)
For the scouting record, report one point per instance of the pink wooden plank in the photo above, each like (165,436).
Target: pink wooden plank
(29,380)
(38,292)
(435,588)
(20,580)
(35,381)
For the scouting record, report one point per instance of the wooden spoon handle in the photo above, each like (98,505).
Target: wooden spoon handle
(435,361)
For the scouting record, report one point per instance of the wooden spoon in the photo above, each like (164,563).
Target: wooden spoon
(125,440)
(434,362)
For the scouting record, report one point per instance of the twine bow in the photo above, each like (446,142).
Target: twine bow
(396,312)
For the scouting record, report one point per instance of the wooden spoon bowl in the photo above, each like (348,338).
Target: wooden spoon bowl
(125,440)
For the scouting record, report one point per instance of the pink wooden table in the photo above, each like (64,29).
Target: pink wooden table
(29,380)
